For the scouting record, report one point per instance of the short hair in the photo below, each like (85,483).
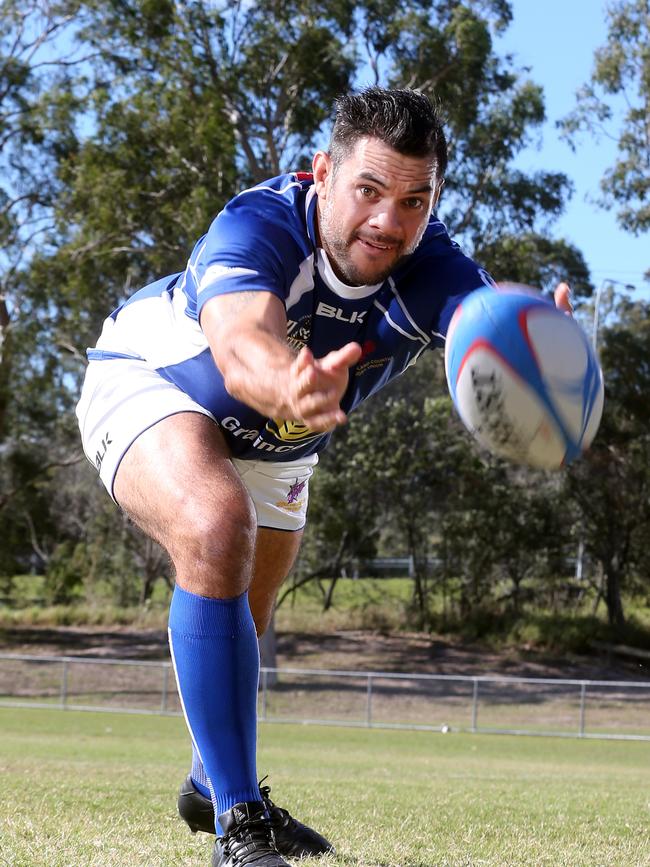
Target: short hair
(402,118)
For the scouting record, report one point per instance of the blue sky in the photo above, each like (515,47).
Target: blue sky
(557,39)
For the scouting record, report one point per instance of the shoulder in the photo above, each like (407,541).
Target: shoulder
(440,265)
(437,277)
(259,241)
(269,222)
(279,203)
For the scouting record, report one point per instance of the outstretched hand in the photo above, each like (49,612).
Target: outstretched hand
(316,386)
(562,296)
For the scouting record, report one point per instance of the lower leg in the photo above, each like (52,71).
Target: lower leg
(215,656)
(275,553)
(179,485)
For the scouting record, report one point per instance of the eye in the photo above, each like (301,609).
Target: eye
(367,192)
(414,204)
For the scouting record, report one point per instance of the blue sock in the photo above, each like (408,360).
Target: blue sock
(216,659)
(198,774)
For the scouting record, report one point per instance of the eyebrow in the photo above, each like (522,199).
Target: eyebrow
(369,176)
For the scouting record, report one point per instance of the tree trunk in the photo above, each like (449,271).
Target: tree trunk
(330,593)
(269,652)
(4,363)
(613,596)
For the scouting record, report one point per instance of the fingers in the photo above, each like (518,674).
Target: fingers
(562,296)
(318,405)
(321,422)
(303,361)
(319,384)
(341,359)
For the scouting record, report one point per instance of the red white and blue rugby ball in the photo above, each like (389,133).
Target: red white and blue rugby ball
(523,377)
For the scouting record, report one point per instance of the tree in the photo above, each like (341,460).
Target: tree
(175,107)
(276,66)
(611,484)
(537,260)
(29,61)
(182,102)
(619,94)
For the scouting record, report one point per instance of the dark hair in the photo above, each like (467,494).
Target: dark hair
(404,119)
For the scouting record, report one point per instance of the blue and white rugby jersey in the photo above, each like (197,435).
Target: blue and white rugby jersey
(265,240)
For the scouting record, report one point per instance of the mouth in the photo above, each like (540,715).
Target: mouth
(375,246)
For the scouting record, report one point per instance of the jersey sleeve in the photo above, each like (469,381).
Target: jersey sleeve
(250,247)
(444,275)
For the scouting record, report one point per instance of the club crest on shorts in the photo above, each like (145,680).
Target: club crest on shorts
(293,503)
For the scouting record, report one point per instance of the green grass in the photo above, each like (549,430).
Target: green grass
(99,789)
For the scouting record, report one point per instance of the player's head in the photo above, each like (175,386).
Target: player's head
(404,119)
(379,181)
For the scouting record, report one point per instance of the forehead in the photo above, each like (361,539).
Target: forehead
(374,159)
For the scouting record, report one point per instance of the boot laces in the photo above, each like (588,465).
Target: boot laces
(250,841)
(279,816)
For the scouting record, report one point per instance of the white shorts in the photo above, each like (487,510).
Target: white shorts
(122,398)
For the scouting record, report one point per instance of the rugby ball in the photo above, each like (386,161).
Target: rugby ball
(523,377)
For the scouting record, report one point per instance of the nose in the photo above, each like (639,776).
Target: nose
(386,220)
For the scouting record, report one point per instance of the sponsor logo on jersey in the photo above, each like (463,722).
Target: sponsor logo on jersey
(290,431)
(336,313)
(235,428)
(365,363)
(372,364)
(298,332)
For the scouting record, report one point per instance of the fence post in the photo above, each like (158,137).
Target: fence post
(369,702)
(64,685)
(474,705)
(583,694)
(165,688)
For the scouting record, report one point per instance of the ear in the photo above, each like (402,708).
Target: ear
(438,190)
(322,168)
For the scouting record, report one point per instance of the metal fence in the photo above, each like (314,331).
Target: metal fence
(430,702)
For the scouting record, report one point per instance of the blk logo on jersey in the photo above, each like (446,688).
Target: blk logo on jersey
(336,313)
(103,448)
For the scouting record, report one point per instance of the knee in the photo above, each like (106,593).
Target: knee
(213,546)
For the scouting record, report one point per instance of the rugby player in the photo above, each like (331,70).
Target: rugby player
(211,393)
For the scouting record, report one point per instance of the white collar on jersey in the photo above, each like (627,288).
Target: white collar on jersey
(338,286)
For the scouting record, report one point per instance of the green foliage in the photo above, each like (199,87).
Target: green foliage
(616,102)
(537,260)
(611,484)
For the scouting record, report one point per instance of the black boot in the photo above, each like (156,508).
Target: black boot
(247,839)
(292,837)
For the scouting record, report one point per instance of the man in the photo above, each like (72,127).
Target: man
(211,392)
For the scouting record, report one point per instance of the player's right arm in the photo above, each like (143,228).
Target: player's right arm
(246,332)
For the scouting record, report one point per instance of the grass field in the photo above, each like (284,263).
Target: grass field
(99,789)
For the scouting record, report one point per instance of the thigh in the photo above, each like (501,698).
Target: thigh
(280,494)
(120,399)
(177,482)
(275,554)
